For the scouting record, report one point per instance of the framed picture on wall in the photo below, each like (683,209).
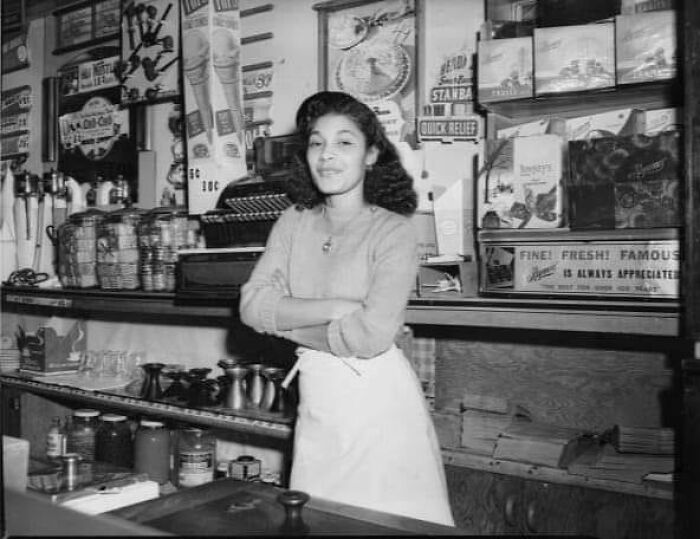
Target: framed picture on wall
(86,24)
(368,50)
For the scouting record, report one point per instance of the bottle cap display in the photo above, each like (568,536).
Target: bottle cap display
(151,423)
(113,417)
(85,412)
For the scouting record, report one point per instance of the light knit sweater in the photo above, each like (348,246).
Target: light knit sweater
(373,260)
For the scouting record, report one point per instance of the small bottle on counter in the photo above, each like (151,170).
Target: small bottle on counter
(81,436)
(55,439)
(113,441)
(195,458)
(152,450)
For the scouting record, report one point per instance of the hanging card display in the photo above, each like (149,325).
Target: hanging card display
(16,109)
(150,56)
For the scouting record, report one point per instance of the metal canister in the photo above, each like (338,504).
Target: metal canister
(70,470)
(245,468)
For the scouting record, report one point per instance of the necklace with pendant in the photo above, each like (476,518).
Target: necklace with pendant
(327,246)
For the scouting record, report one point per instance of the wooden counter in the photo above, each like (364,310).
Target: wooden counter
(231,507)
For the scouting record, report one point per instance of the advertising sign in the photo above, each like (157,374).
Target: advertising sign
(648,269)
(15,113)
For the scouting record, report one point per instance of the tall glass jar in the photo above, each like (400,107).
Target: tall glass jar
(152,450)
(117,250)
(81,436)
(161,233)
(195,457)
(77,249)
(113,441)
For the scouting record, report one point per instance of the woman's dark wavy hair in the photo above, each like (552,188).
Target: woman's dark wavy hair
(387,184)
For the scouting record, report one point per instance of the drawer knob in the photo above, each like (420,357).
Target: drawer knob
(509,510)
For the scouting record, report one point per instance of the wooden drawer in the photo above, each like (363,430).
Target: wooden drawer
(496,503)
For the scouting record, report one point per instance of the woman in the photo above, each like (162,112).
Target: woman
(335,278)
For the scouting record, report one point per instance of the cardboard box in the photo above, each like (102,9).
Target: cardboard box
(544,126)
(612,123)
(646,47)
(448,279)
(450,169)
(629,7)
(48,352)
(505,69)
(213,91)
(574,58)
(625,182)
(659,120)
(521,184)
(15,462)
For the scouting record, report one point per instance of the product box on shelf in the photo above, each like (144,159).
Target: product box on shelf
(447,279)
(622,122)
(573,58)
(520,184)
(49,352)
(504,69)
(628,7)
(450,169)
(212,86)
(625,182)
(625,268)
(666,119)
(545,126)
(646,47)
(573,12)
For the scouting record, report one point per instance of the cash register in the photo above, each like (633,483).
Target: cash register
(237,229)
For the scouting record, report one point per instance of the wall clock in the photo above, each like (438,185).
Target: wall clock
(376,70)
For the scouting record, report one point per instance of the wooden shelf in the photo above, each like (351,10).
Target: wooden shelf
(652,95)
(457,457)
(659,318)
(246,421)
(97,302)
(282,429)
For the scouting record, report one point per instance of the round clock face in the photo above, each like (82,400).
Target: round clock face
(374,70)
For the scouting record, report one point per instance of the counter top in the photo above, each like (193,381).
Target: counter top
(654,318)
(233,508)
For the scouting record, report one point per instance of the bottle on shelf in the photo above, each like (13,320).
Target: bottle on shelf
(195,457)
(55,439)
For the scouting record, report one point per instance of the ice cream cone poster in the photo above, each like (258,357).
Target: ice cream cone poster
(150,61)
(226,44)
(213,92)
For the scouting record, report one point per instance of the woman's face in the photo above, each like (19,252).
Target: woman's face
(337,155)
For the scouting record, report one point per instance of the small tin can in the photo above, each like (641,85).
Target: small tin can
(221,471)
(245,468)
(70,470)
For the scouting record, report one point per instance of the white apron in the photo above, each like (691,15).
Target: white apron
(364,436)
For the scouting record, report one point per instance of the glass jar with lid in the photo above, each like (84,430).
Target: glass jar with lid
(117,250)
(152,450)
(113,441)
(76,241)
(81,435)
(195,457)
(161,233)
